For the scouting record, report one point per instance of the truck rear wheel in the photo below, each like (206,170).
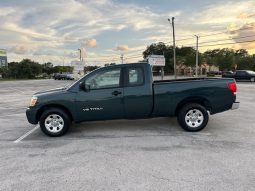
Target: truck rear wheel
(54,122)
(193,117)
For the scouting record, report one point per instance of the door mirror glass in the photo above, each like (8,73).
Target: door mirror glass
(84,86)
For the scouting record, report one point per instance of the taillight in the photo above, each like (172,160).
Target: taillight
(232,87)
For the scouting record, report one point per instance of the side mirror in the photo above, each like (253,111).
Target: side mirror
(84,86)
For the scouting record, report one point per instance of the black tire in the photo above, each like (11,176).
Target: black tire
(196,122)
(65,119)
(253,79)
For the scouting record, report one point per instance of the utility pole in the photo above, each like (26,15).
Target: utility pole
(122,58)
(173,46)
(197,37)
(79,53)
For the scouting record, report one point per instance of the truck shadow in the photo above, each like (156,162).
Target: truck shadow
(122,128)
(117,129)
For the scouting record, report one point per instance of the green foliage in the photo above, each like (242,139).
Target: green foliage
(184,55)
(161,49)
(88,69)
(27,69)
(225,59)
(228,59)
(63,69)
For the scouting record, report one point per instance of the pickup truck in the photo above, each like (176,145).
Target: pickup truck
(241,75)
(128,91)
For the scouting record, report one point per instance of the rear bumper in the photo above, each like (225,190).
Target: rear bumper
(235,105)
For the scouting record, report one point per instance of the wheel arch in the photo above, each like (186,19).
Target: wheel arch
(59,106)
(194,99)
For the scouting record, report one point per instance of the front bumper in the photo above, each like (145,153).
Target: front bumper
(235,105)
(31,115)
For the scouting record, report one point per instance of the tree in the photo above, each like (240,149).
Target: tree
(223,58)
(48,68)
(187,56)
(24,69)
(63,69)
(89,68)
(184,55)
(161,49)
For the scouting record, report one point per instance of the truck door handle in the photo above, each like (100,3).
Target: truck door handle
(115,93)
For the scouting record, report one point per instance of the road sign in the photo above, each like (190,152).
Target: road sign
(157,60)
(3,58)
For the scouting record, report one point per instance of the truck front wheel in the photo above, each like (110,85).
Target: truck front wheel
(54,122)
(193,117)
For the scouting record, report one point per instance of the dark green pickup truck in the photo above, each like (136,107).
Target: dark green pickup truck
(129,92)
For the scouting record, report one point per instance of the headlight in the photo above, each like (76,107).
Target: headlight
(33,101)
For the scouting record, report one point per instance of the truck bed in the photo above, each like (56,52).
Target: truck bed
(169,93)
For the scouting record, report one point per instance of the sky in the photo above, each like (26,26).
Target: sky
(54,30)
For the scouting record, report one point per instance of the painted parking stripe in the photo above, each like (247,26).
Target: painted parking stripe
(15,89)
(25,135)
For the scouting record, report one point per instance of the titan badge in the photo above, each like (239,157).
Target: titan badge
(93,109)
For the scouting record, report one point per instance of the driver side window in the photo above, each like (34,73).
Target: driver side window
(104,79)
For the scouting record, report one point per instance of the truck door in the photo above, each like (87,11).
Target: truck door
(138,94)
(104,97)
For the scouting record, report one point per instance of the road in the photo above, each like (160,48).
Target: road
(148,154)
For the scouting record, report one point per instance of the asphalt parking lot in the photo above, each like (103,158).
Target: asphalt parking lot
(153,154)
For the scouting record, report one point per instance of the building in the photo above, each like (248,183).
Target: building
(182,69)
(3,58)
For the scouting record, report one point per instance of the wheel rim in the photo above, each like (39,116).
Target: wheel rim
(194,118)
(54,123)
(252,79)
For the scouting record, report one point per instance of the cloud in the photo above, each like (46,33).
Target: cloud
(122,47)
(250,36)
(37,26)
(89,43)
(19,49)
(245,15)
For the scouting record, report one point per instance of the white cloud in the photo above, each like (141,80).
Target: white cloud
(90,43)
(121,47)
(48,28)
(19,49)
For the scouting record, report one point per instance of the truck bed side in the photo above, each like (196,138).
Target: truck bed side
(213,93)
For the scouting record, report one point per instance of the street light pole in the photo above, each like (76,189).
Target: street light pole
(197,37)
(79,53)
(122,58)
(174,53)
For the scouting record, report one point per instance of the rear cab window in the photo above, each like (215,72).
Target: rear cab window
(135,76)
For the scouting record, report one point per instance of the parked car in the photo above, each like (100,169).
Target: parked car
(212,73)
(63,77)
(241,75)
(128,91)
(226,73)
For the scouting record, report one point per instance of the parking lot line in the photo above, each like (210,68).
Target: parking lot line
(16,90)
(25,135)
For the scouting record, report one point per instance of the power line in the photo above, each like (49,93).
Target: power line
(223,32)
(228,43)
(219,40)
(228,39)
(185,39)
